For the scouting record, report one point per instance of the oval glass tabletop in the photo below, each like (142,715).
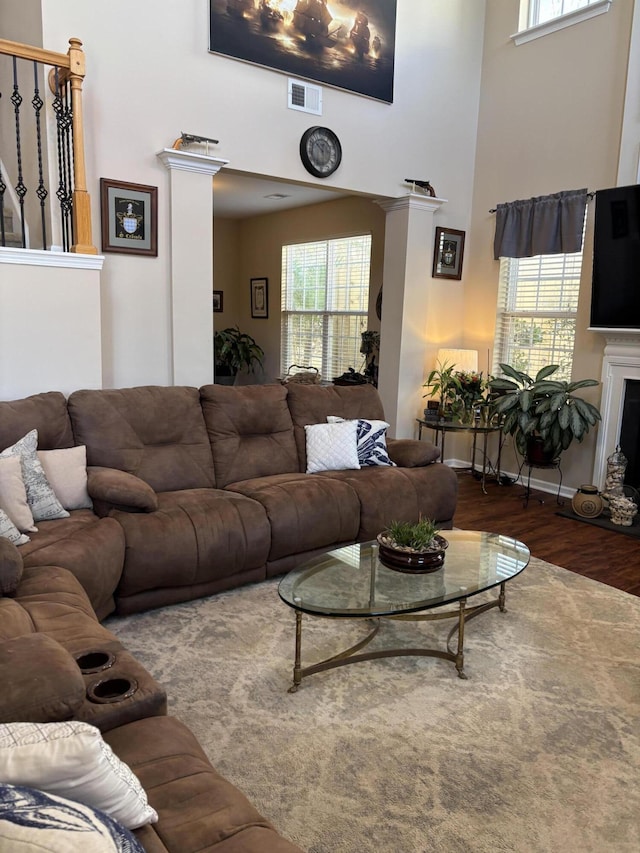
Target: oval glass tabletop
(351,581)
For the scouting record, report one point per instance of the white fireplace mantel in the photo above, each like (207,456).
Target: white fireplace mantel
(621,362)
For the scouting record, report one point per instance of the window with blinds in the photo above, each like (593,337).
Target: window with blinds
(536,320)
(325,301)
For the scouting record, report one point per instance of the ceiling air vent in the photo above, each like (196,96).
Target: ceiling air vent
(304,97)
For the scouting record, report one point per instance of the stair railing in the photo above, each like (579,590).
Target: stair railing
(30,160)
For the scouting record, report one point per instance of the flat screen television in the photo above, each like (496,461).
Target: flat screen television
(615,295)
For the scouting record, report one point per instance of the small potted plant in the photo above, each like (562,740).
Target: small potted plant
(544,416)
(235,351)
(412,547)
(444,384)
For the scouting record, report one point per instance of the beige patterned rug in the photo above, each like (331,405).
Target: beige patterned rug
(537,752)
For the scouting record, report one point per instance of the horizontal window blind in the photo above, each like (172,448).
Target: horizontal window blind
(325,299)
(537,305)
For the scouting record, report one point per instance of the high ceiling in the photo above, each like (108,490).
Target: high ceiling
(237,196)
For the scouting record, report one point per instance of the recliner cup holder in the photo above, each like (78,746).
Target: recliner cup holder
(94,661)
(110,690)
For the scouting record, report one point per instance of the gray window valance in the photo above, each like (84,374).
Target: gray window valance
(545,225)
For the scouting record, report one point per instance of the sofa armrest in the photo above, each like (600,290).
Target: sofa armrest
(10,567)
(41,681)
(121,490)
(411,453)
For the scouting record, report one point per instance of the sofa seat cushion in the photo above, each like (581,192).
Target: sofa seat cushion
(387,494)
(195,536)
(91,548)
(305,511)
(198,810)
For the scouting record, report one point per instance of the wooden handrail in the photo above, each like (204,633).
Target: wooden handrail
(73,69)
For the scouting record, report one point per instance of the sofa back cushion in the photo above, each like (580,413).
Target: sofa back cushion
(250,431)
(312,404)
(46,413)
(155,432)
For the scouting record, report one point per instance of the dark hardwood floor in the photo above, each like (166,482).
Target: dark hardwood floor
(607,556)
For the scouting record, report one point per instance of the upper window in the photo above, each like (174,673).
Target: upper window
(537,306)
(541,11)
(540,17)
(325,302)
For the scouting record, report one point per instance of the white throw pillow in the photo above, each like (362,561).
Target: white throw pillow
(66,471)
(71,759)
(9,531)
(372,441)
(13,495)
(42,500)
(331,447)
(31,820)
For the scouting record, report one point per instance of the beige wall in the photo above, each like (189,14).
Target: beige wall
(259,255)
(550,120)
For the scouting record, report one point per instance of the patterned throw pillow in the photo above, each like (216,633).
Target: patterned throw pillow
(331,447)
(13,495)
(32,820)
(372,441)
(41,497)
(9,531)
(72,759)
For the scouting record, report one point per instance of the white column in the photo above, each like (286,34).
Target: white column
(408,258)
(191,263)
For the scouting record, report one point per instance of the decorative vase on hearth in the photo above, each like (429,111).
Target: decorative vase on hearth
(587,502)
(614,478)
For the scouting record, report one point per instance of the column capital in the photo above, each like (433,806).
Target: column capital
(414,201)
(188,161)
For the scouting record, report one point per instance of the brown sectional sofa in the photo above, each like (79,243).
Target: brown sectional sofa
(194,491)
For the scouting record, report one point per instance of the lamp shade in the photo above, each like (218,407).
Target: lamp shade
(464,360)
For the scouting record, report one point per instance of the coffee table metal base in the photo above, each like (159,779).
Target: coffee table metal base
(463,614)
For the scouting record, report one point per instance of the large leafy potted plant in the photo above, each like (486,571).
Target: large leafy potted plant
(541,413)
(235,351)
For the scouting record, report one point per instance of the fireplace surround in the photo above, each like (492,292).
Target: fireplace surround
(620,365)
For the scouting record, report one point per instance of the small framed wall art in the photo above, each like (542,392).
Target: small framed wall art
(260,298)
(129,218)
(217,301)
(447,253)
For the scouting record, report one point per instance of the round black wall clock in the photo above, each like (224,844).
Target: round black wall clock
(320,151)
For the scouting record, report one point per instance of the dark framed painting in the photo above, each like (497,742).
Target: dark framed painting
(341,43)
(217,301)
(129,217)
(260,298)
(448,251)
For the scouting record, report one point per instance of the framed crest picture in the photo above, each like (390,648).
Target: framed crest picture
(129,218)
(447,253)
(217,301)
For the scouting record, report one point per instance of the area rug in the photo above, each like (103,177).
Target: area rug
(537,751)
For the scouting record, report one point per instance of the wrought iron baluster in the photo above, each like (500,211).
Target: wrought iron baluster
(41,192)
(64,191)
(20,188)
(3,187)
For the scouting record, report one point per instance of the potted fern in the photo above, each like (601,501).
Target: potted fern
(235,351)
(543,415)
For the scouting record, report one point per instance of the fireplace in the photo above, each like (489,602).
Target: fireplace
(620,406)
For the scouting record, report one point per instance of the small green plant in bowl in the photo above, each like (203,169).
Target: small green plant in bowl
(412,547)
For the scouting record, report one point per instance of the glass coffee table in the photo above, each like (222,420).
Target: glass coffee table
(352,583)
